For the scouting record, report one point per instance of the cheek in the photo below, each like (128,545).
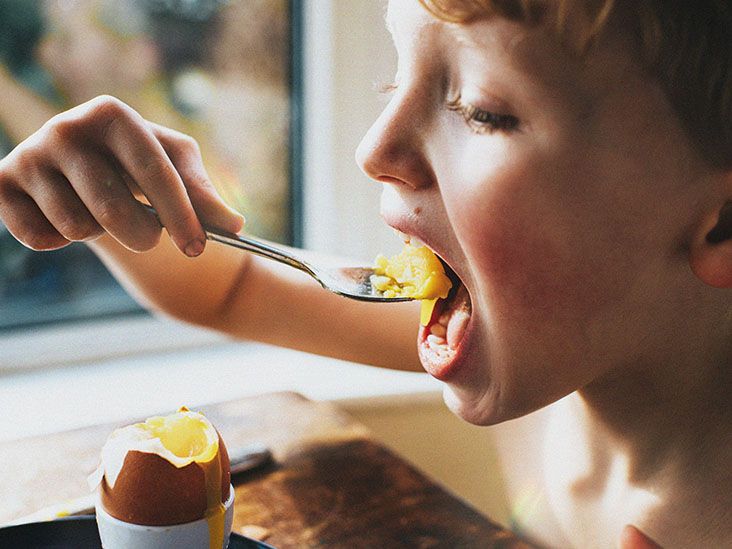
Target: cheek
(540,255)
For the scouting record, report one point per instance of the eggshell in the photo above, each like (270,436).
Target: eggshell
(151,491)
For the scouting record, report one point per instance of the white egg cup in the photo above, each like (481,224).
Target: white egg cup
(117,534)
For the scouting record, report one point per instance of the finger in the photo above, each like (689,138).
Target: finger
(127,136)
(185,154)
(632,538)
(25,221)
(104,193)
(63,209)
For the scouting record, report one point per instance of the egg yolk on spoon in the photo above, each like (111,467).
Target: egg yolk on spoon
(415,272)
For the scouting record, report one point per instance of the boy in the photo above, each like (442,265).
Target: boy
(572,163)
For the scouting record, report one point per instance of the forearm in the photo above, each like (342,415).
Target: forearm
(21,111)
(168,282)
(256,299)
(282,306)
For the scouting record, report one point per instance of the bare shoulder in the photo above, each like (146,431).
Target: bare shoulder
(696,510)
(520,444)
(567,486)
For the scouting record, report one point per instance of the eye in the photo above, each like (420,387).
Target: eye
(481,121)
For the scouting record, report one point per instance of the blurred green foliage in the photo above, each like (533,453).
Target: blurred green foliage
(21,27)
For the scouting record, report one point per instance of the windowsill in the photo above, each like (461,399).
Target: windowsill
(34,402)
(97,340)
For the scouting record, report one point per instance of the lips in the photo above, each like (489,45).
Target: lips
(441,341)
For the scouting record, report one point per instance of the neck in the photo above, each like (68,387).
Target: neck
(662,416)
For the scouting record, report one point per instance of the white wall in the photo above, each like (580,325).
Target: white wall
(348,53)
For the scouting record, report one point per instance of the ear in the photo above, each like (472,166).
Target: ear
(711,251)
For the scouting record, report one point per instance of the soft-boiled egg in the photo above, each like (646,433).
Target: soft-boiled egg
(415,272)
(167,470)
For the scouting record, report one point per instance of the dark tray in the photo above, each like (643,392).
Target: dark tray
(79,533)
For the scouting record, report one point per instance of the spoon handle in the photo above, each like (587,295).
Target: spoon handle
(252,245)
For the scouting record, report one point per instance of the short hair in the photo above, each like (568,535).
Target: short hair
(686,46)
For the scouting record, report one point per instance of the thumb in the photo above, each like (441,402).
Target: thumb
(632,538)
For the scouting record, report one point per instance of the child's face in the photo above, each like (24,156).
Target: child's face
(560,192)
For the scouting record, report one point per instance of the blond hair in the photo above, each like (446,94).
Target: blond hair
(686,46)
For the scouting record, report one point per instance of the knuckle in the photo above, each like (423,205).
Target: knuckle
(106,107)
(62,128)
(200,186)
(77,229)
(26,159)
(158,170)
(107,112)
(188,145)
(109,211)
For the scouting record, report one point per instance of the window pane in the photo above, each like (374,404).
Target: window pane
(218,70)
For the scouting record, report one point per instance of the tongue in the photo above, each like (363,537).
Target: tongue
(459,317)
(456,327)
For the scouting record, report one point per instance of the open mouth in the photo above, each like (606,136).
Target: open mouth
(440,340)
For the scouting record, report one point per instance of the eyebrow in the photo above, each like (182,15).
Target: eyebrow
(521,55)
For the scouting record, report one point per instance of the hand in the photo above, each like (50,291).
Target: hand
(632,538)
(76,178)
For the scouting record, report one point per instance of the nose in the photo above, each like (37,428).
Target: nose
(394,148)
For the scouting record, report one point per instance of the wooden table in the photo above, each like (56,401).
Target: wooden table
(330,484)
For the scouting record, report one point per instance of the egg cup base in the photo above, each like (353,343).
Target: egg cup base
(117,534)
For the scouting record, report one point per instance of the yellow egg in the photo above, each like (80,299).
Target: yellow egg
(414,272)
(166,470)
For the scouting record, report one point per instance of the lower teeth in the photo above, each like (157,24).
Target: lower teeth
(435,340)
(450,327)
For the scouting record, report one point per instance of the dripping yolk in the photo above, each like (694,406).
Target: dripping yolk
(415,272)
(190,437)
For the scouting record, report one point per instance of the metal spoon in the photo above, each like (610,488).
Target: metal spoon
(352,282)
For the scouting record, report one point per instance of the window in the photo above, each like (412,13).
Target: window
(219,70)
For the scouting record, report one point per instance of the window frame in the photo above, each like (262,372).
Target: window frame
(339,50)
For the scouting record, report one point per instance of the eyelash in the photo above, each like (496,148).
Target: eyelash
(481,121)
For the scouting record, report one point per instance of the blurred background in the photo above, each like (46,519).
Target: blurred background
(278,93)
(217,70)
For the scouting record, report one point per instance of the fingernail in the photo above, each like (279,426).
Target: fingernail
(194,248)
(241,220)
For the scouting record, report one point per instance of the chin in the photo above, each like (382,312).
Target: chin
(483,391)
(473,392)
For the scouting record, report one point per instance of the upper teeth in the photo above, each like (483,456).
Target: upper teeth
(409,239)
(404,237)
